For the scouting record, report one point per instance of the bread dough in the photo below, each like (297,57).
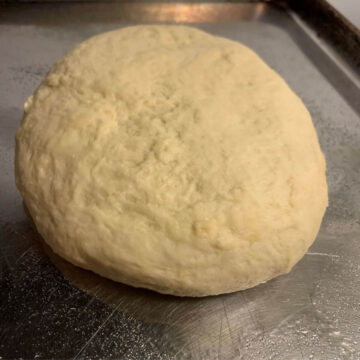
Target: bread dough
(167,158)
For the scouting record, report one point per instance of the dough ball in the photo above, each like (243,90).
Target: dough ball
(167,158)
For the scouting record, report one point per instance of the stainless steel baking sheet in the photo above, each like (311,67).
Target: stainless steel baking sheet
(51,309)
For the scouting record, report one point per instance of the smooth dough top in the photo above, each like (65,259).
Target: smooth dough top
(167,158)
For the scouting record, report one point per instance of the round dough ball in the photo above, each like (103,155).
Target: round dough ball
(167,158)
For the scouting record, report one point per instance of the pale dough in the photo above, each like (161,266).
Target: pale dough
(167,158)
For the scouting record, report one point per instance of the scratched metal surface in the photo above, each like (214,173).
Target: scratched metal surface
(51,309)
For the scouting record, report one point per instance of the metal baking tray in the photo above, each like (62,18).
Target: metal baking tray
(51,309)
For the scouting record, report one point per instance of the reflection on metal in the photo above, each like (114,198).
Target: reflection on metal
(194,13)
(143,12)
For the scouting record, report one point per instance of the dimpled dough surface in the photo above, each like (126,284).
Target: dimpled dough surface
(167,158)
